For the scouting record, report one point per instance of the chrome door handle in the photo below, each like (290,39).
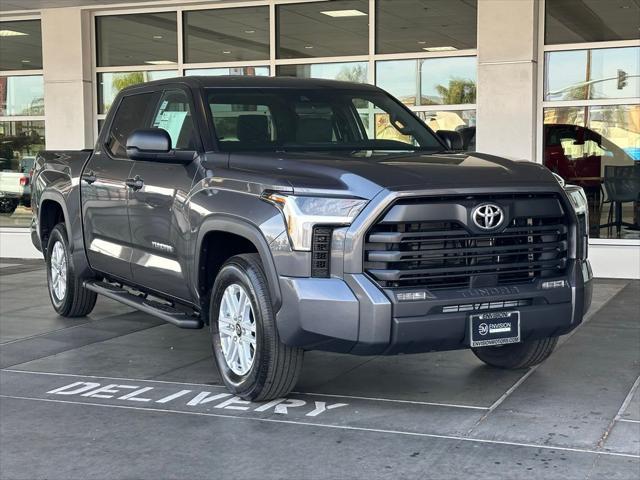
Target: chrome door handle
(135,183)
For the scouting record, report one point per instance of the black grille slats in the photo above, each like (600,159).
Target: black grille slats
(449,254)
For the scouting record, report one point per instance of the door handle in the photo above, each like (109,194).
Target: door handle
(89,177)
(135,183)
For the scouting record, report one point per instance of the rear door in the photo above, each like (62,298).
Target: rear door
(159,222)
(104,193)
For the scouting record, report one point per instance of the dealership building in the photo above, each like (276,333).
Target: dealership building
(550,81)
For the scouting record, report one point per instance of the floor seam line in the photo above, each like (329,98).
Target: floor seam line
(5,367)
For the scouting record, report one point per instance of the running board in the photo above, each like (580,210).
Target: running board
(157,309)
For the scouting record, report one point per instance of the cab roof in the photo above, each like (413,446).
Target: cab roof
(234,81)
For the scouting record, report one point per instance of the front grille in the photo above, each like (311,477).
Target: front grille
(447,254)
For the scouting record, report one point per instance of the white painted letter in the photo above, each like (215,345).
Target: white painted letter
(134,395)
(229,404)
(100,392)
(173,396)
(85,386)
(202,398)
(321,407)
(290,403)
(268,405)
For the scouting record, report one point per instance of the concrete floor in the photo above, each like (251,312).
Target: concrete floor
(161,412)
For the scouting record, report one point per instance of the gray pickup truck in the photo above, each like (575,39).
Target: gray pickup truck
(292,215)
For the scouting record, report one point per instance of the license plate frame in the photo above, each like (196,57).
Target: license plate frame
(500,328)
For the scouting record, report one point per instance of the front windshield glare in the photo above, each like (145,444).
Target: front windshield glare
(299,119)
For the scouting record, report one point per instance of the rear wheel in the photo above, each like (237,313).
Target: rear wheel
(8,205)
(252,360)
(517,355)
(68,296)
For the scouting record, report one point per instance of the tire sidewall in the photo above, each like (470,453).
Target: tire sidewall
(58,234)
(235,272)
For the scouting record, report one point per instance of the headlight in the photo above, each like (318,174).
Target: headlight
(578,199)
(301,214)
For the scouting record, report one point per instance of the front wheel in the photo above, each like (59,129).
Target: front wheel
(517,355)
(252,360)
(68,296)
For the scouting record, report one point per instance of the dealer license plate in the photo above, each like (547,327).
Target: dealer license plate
(494,328)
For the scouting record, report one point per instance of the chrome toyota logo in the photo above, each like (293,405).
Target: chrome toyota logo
(488,216)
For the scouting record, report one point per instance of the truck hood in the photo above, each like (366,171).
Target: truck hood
(364,174)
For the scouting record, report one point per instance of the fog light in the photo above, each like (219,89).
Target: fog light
(554,284)
(410,296)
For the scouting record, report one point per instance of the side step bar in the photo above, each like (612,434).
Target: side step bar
(157,309)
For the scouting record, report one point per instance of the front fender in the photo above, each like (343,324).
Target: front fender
(241,227)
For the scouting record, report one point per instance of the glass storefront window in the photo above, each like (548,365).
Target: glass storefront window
(322,29)
(243,71)
(21,45)
(226,35)
(598,148)
(404,26)
(431,81)
(109,84)
(137,39)
(20,141)
(593,74)
(21,95)
(345,71)
(577,21)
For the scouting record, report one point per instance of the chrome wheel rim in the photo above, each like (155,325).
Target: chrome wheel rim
(237,328)
(58,271)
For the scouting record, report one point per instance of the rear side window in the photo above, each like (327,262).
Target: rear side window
(133,113)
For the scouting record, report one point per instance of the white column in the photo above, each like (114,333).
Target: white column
(66,51)
(507,77)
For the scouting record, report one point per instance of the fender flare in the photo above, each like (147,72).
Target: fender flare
(242,228)
(58,198)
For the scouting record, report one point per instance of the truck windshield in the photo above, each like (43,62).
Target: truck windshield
(319,120)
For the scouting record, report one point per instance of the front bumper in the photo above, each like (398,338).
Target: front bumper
(353,315)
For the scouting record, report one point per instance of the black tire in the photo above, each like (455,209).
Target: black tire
(8,205)
(517,355)
(76,301)
(275,367)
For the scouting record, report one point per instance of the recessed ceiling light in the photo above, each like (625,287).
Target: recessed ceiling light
(249,31)
(11,33)
(439,49)
(160,62)
(226,52)
(158,37)
(344,13)
(308,47)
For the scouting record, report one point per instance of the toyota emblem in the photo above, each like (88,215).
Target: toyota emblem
(488,216)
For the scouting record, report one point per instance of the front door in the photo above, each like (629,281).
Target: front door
(104,192)
(159,221)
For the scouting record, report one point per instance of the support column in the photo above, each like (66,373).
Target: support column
(507,78)
(68,98)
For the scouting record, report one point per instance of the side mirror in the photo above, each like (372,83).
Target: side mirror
(154,144)
(452,139)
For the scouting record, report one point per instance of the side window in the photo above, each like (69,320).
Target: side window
(174,116)
(132,114)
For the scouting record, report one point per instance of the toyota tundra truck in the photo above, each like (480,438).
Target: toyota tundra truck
(300,214)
